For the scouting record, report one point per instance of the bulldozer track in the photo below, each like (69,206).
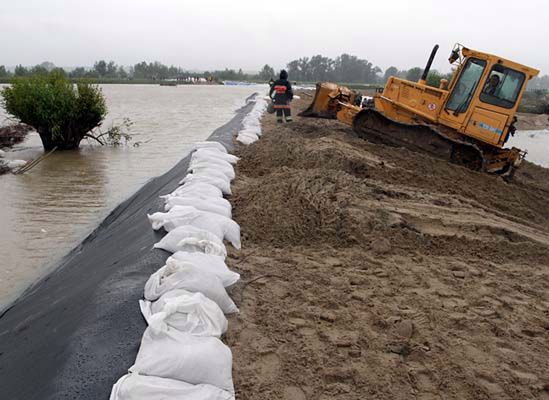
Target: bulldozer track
(373,126)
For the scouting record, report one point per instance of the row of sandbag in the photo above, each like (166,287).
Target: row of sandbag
(251,125)
(181,355)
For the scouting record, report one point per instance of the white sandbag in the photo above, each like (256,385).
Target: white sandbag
(210,263)
(141,387)
(13,164)
(226,169)
(210,159)
(183,275)
(198,188)
(187,312)
(222,227)
(215,153)
(209,145)
(247,139)
(158,219)
(222,184)
(168,353)
(216,205)
(210,172)
(191,239)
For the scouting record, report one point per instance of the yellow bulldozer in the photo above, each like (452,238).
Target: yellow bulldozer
(465,121)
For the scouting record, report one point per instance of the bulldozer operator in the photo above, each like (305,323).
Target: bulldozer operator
(492,85)
(283,95)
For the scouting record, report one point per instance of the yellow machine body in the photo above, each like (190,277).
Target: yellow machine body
(474,107)
(413,102)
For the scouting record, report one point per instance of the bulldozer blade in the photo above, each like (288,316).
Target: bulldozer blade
(320,107)
(327,99)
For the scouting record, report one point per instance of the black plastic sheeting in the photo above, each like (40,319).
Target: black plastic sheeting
(77,331)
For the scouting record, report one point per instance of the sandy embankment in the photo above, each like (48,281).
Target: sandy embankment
(386,274)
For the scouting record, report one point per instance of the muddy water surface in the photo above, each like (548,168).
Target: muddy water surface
(536,143)
(49,210)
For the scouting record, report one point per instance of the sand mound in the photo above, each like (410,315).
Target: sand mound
(386,273)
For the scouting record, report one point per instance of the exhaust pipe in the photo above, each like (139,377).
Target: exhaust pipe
(423,79)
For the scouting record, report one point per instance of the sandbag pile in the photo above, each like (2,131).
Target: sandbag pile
(251,126)
(181,354)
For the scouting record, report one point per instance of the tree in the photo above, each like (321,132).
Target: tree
(391,71)
(38,70)
(100,67)
(79,72)
(111,69)
(47,65)
(3,72)
(414,74)
(266,73)
(59,70)
(122,73)
(434,77)
(293,70)
(21,71)
(62,113)
(321,68)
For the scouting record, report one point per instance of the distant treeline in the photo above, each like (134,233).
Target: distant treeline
(143,71)
(345,68)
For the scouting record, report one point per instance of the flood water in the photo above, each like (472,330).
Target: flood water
(46,212)
(536,143)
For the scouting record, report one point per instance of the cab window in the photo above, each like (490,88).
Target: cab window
(502,87)
(465,87)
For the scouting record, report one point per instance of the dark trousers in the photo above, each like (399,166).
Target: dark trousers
(283,112)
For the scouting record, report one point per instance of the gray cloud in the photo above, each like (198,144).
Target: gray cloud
(247,34)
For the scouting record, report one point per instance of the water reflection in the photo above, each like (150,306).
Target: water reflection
(47,211)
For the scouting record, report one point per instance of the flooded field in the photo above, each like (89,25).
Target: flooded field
(48,211)
(536,143)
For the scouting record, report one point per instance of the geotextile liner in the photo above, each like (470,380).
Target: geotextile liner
(75,332)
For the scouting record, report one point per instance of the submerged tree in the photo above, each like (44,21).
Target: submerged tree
(62,113)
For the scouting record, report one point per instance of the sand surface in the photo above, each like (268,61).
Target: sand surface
(378,273)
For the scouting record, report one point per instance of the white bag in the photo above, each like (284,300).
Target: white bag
(168,353)
(191,239)
(210,173)
(209,145)
(216,205)
(207,262)
(217,164)
(210,159)
(216,154)
(222,227)
(246,138)
(183,275)
(187,312)
(158,219)
(222,184)
(142,387)
(212,170)
(200,188)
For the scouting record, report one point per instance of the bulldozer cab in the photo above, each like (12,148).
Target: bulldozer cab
(484,95)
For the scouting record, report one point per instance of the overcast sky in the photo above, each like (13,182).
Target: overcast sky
(246,34)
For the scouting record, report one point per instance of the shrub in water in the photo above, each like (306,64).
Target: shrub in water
(62,113)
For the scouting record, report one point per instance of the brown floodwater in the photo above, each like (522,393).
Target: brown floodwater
(46,212)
